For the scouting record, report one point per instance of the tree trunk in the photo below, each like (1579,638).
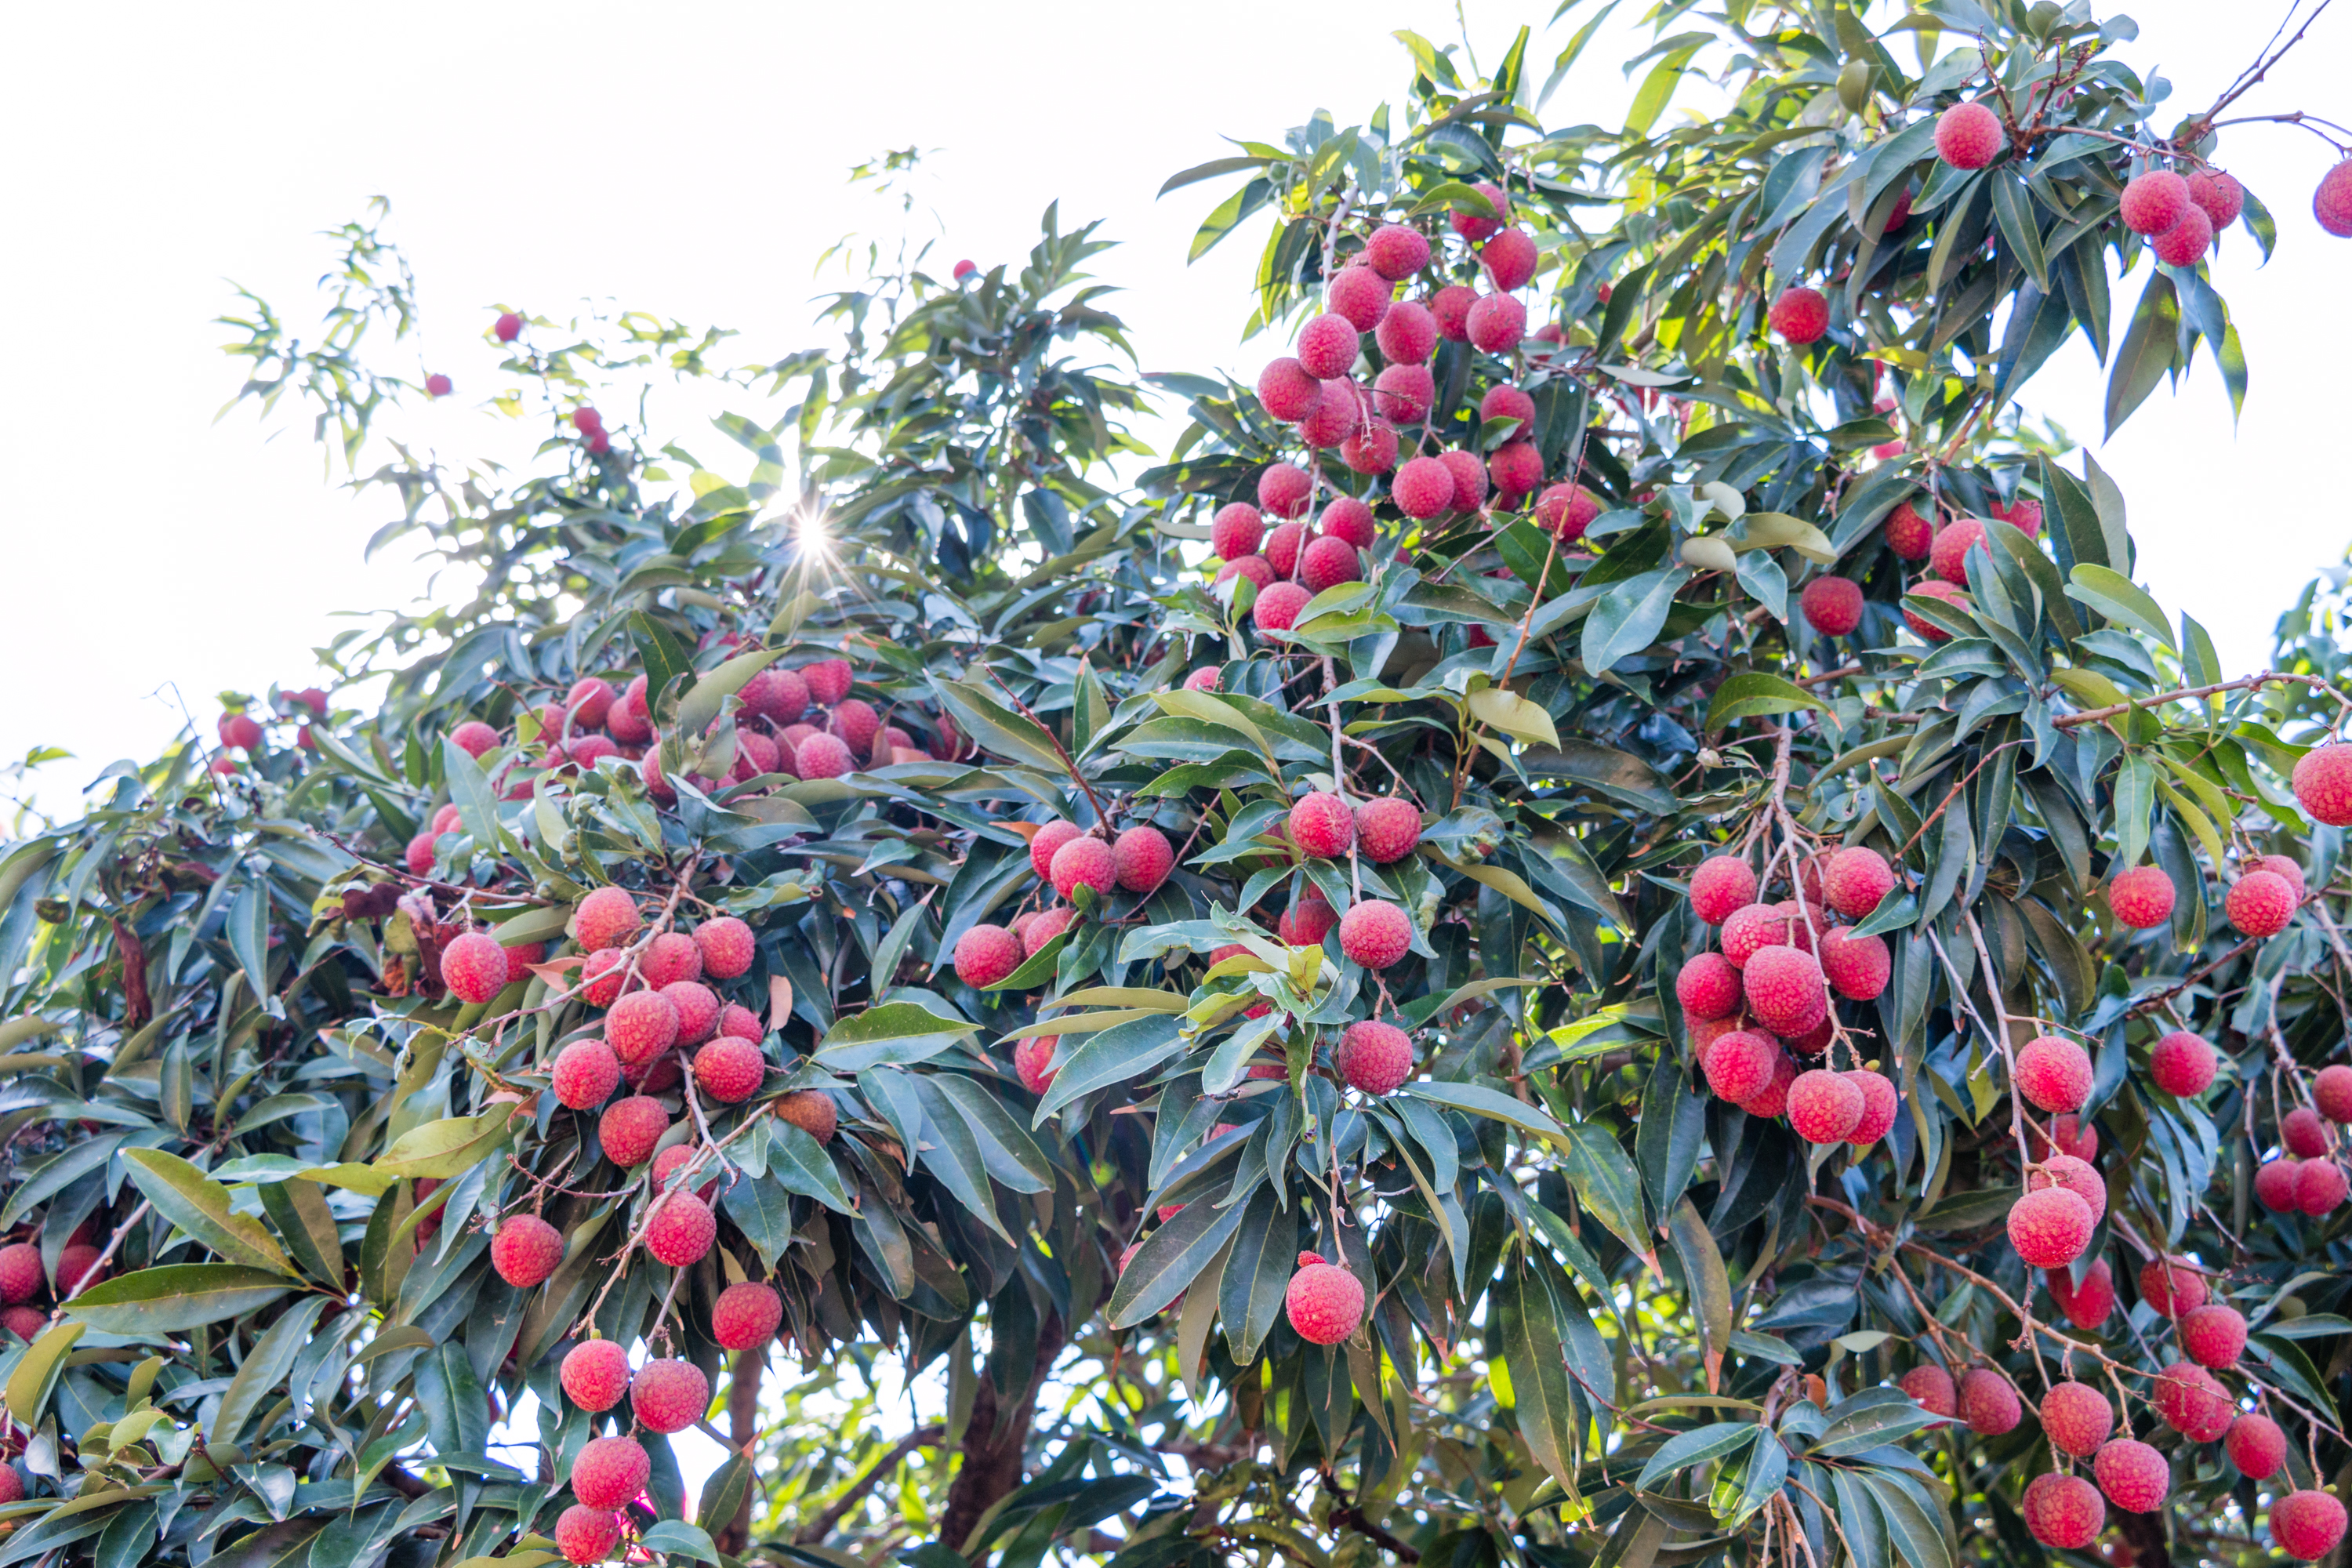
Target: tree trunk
(994,1442)
(742,1429)
(2144,1534)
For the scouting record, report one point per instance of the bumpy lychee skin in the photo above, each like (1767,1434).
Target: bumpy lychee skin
(474,737)
(1989,1402)
(2185,242)
(606,918)
(2133,1475)
(2085,1307)
(2141,898)
(697,1010)
(1707,987)
(609,1471)
(1349,519)
(2275,1185)
(1396,252)
(2077,1176)
(2332,1092)
(2077,1417)
(1324,1302)
(1032,1061)
(1772,1101)
(828,680)
(1322,826)
(1832,604)
(823,756)
(2304,1133)
(1754,927)
(1277,607)
(2282,866)
(526,1250)
(1930,1387)
(2319,1187)
(1407,334)
(682,1229)
(1879,1105)
(2307,1525)
(2182,1064)
(1856,881)
(1509,258)
(2261,903)
(985,954)
(1567,510)
(2054,1073)
(585,1535)
(1953,543)
(594,1374)
(2153,202)
(2064,1511)
(1927,630)
(1783,986)
(1497,323)
(1908,534)
(585,1073)
(1141,858)
(2171,1287)
(2050,1227)
(1516,468)
(473,967)
(20,1273)
(1739,1067)
(2331,202)
(1404,392)
(1721,884)
(630,1128)
(2255,1445)
(1375,933)
(812,1110)
(1045,842)
(1374,1056)
(2214,1335)
(1359,294)
(669,1394)
(2193,1402)
(1283,490)
(1800,315)
(728,1070)
(1308,921)
(1328,346)
(1824,1107)
(1285,391)
(1422,488)
(1084,862)
(746,1314)
(24,1322)
(2322,779)
(1858,966)
(1051,923)
(641,1025)
(1968,136)
(670,956)
(1387,830)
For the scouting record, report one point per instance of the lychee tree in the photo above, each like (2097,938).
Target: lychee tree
(1560,997)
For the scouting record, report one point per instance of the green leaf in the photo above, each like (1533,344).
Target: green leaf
(1756,693)
(893,1033)
(699,710)
(1480,1100)
(1513,714)
(675,1538)
(264,1368)
(1110,1056)
(1710,1285)
(2146,355)
(997,727)
(1685,1450)
(1628,620)
(200,1205)
(2119,598)
(447,1148)
(1171,1258)
(1610,1188)
(37,1371)
(175,1297)
(1532,1339)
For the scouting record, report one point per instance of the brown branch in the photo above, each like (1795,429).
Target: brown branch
(138,1009)
(2185,693)
(817,1529)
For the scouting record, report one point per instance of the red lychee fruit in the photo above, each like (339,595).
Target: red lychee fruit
(473,967)
(1774,1100)
(2050,1227)
(1308,921)
(1858,966)
(1285,391)
(1324,1302)
(730,1071)
(1032,1061)
(2307,1525)
(1908,534)
(1497,323)
(1721,884)
(1422,488)
(508,326)
(682,1229)
(1374,1056)
(1824,1107)
(594,1374)
(2322,779)
(1753,927)
(1339,411)
(1739,1067)
(630,1128)
(585,1073)
(1238,530)
(985,954)
(585,1535)
(587,750)
(2304,1133)
(1800,316)
(812,1110)
(473,737)
(609,1471)
(2182,1064)
(1989,1402)
(2275,1184)
(2063,1511)
(1375,933)
(1509,258)
(437,385)
(2193,1402)
(1404,392)
(2077,1417)
(1567,510)
(2141,898)
(1879,1105)
(2023,514)
(669,1394)
(2284,866)
(1388,828)
(2332,1092)
(726,945)
(2319,1187)
(2255,1445)
(1707,987)
(2086,1306)
(21,1278)
(1282,547)
(823,756)
(1212,677)
(2053,1073)
(856,723)
(1930,1387)
(2153,202)
(2185,242)
(828,680)
(1328,563)
(1322,826)
(1045,842)
(2133,1475)
(1504,401)
(641,1025)
(1371,450)
(778,695)
(1927,630)
(1141,858)
(1328,346)
(1833,605)
(961,270)
(746,1314)
(2214,1335)
(1856,881)
(1396,252)
(1969,135)
(1045,928)
(2077,1176)
(671,956)
(2331,202)
(526,1250)
(24,1322)
(2261,903)
(1407,334)
(740,1022)
(1469,479)
(1349,520)
(1953,543)
(606,918)
(1359,294)
(1277,607)
(1084,862)
(2171,1287)
(1784,991)
(1474,227)
(1516,468)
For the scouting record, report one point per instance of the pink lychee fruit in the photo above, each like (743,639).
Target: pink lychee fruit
(823,756)
(1832,604)
(1285,391)
(2275,1185)
(1824,1107)
(2054,1073)
(1084,862)
(525,1250)
(1785,992)
(1856,881)
(1322,826)
(746,1314)
(1858,966)
(1800,315)
(681,1228)
(985,954)
(669,1394)
(1141,858)
(1422,488)
(2063,1511)
(2153,202)
(1396,252)
(641,1025)
(1721,884)
(2182,1064)
(1739,1067)
(2307,1525)
(1375,933)
(1349,520)
(1328,563)
(2261,903)
(730,1071)
(2050,1227)
(2193,1402)
(1387,830)
(1707,987)
(1374,1056)
(2086,1306)
(2322,779)
(1045,842)
(2214,1335)
(609,1472)
(21,1278)
(2133,1475)
(1969,135)
(594,1374)
(2319,1187)
(2141,898)
(585,1535)
(1931,1388)
(2077,1417)
(1879,1105)
(473,967)
(2304,1133)
(606,918)
(585,1073)
(2077,1176)
(630,1128)
(1277,607)
(671,956)
(2255,1445)
(1237,531)
(1989,1402)
(2332,1092)
(2171,1287)
(1324,1302)
(1032,1061)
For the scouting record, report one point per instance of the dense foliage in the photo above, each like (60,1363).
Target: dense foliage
(1173,1063)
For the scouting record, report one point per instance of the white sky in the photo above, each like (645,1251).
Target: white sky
(545,155)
